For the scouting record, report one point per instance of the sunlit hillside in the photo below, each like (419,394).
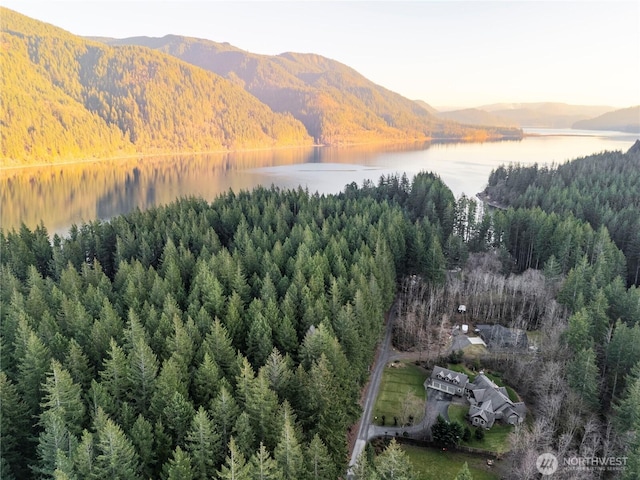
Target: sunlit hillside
(64,97)
(336,104)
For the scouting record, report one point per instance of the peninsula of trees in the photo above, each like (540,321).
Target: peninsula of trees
(601,189)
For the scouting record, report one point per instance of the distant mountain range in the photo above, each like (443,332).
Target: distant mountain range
(624,120)
(476,116)
(541,115)
(64,97)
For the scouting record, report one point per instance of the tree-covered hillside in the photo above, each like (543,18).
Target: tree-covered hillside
(336,104)
(602,189)
(64,97)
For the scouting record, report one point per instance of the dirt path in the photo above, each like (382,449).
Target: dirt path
(365,426)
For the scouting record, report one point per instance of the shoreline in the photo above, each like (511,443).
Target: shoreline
(143,155)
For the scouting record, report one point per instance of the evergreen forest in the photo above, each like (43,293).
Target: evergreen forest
(601,189)
(231,339)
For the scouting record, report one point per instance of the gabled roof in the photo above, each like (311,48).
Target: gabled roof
(450,376)
(489,395)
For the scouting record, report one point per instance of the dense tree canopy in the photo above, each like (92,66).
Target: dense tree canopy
(148,342)
(602,189)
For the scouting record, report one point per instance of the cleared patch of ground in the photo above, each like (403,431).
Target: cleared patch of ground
(399,379)
(435,464)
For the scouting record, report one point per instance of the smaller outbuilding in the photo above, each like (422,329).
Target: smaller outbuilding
(499,337)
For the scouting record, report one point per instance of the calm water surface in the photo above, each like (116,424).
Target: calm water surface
(63,195)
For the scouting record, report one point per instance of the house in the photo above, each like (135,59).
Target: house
(462,309)
(490,403)
(447,381)
(499,337)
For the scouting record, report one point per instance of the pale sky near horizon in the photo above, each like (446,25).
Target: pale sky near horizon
(447,53)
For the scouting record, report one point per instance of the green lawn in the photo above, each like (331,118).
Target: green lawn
(495,440)
(433,464)
(395,384)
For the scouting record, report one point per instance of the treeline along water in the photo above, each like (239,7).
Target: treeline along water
(59,196)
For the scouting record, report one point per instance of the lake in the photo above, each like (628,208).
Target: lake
(63,195)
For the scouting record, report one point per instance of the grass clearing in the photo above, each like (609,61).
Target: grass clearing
(435,464)
(495,439)
(475,351)
(397,381)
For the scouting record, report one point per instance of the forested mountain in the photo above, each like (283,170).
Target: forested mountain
(475,116)
(602,189)
(336,104)
(624,120)
(64,97)
(545,114)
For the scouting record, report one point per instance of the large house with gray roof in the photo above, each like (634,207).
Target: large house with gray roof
(448,381)
(488,401)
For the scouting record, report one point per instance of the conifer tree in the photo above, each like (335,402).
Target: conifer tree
(83,456)
(64,396)
(288,452)
(116,456)
(263,466)
(142,437)
(179,466)
(393,464)
(464,473)
(14,429)
(318,463)
(203,444)
(235,466)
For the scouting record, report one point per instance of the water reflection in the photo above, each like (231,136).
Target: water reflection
(62,195)
(59,196)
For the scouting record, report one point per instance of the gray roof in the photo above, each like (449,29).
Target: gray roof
(490,397)
(450,376)
(497,336)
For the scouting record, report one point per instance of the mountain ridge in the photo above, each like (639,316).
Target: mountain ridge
(66,98)
(624,119)
(337,104)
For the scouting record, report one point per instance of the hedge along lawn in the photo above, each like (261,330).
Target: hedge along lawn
(433,464)
(496,439)
(396,382)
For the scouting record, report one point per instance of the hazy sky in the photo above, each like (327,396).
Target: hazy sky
(448,53)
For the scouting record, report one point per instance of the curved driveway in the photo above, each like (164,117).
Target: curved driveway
(437,404)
